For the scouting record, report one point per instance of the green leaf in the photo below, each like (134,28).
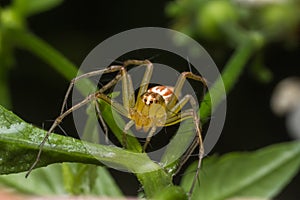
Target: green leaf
(82,179)
(262,173)
(19,138)
(31,7)
(104,185)
(43,181)
(20,142)
(52,180)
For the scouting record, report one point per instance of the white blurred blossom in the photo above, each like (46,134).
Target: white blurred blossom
(285,101)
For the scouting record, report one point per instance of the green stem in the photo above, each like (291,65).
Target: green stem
(231,73)
(49,55)
(5,98)
(46,52)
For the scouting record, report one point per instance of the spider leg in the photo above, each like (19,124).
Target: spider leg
(102,121)
(128,91)
(174,117)
(175,108)
(110,69)
(128,100)
(147,75)
(55,124)
(187,154)
(179,84)
(103,89)
(124,110)
(125,131)
(58,120)
(127,86)
(149,136)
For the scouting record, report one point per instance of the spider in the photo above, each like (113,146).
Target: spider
(154,107)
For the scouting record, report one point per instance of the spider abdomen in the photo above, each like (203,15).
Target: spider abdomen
(165,91)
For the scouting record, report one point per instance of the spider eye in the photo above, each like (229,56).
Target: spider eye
(151,102)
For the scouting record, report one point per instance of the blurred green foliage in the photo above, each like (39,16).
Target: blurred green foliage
(228,21)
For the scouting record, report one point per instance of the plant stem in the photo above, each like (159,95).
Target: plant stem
(231,72)
(49,55)
(5,99)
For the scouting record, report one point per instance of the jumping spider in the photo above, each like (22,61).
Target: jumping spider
(154,107)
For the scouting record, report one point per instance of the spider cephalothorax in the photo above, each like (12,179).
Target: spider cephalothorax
(155,107)
(150,108)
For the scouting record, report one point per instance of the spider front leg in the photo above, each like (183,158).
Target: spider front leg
(147,75)
(113,68)
(176,117)
(126,82)
(128,97)
(174,108)
(149,136)
(90,98)
(179,84)
(128,93)
(110,69)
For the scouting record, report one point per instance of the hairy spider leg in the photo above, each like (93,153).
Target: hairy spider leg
(187,154)
(179,84)
(187,114)
(128,96)
(97,108)
(174,108)
(110,69)
(127,87)
(128,93)
(93,97)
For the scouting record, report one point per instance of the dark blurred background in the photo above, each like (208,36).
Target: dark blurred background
(76,27)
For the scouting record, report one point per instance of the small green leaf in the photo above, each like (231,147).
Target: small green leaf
(89,180)
(31,7)
(43,181)
(262,173)
(52,181)
(68,175)
(104,185)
